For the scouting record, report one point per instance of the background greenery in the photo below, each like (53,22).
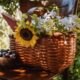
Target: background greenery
(9,5)
(73,71)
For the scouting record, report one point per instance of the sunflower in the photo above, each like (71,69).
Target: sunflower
(26,36)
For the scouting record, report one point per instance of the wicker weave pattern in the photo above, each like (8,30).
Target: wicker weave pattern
(50,53)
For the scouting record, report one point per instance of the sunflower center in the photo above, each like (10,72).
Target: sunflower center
(26,34)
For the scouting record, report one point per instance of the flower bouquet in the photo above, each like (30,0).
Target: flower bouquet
(47,42)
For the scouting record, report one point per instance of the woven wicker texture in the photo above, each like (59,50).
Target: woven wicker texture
(50,53)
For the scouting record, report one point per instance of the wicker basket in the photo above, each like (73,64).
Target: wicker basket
(50,53)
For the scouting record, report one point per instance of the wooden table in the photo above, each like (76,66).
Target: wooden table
(22,74)
(14,70)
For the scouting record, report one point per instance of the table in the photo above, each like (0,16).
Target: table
(22,74)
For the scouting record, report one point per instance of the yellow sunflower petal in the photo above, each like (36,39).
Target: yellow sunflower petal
(32,43)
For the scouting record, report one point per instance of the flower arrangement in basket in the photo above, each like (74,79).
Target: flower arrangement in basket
(47,41)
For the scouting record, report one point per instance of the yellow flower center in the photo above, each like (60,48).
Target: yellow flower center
(26,34)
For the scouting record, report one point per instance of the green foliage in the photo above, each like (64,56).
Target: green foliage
(58,77)
(9,5)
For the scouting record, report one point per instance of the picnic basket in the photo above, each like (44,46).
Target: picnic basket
(53,54)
